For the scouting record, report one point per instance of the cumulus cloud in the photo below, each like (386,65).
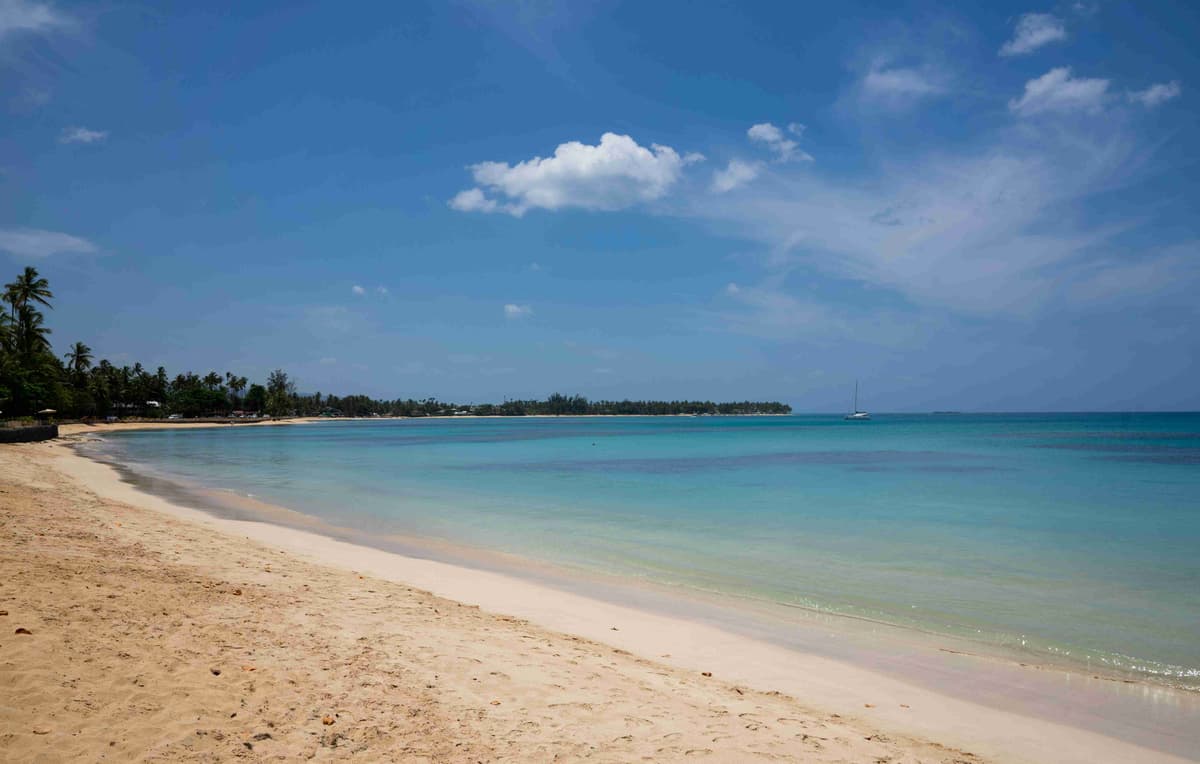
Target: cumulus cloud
(513,311)
(473,200)
(736,173)
(615,174)
(1057,91)
(23,16)
(1156,95)
(81,135)
(1033,31)
(773,138)
(356,289)
(32,242)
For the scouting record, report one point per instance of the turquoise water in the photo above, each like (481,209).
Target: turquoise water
(1076,536)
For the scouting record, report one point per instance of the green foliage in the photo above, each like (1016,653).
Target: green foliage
(281,394)
(256,398)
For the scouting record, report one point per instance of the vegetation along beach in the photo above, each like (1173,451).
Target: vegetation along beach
(553,382)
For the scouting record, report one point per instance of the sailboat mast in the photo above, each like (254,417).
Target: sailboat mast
(855,396)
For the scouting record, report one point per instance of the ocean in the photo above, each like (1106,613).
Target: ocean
(1066,537)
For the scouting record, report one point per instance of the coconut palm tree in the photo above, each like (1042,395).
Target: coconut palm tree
(32,334)
(7,338)
(79,359)
(28,288)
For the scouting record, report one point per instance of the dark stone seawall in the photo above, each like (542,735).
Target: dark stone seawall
(28,434)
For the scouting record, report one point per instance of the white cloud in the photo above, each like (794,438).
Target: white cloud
(900,86)
(473,200)
(986,232)
(784,148)
(513,311)
(612,175)
(382,291)
(1176,268)
(30,99)
(736,173)
(692,157)
(81,135)
(1058,91)
(1033,31)
(770,312)
(32,242)
(1156,95)
(23,16)
(356,289)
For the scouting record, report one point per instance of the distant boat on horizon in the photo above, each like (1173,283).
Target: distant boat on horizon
(855,415)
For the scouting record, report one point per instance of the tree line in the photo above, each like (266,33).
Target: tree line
(34,378)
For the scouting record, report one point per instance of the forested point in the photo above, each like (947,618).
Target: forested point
(33,378)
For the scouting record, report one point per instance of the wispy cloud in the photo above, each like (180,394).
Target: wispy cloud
(736,173)
(1113,279)
(81,135)
(768,310)
(1057,91)
(382,291)
(22,16)
(358,290)
(615,174)
(784,148)
(1156,95)
(32,242)
(896,87)
(512,311)
(331,321)
(1032,32)
(980,232)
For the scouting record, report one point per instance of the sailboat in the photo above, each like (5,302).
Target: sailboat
(855,415)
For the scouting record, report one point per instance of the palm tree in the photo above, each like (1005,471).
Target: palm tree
(7,337)
(29,287)
(79,359)
(236,385)
(31,333)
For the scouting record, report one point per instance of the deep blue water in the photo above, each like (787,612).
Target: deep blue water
(1075,535)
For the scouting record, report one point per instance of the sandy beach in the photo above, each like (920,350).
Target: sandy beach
(136,629)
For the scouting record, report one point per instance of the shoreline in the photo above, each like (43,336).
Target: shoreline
(851,638)
(142,635)
(686,645)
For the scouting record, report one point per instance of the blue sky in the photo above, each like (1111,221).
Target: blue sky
(978,208)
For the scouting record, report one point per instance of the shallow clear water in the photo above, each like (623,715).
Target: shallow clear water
(1072,535)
